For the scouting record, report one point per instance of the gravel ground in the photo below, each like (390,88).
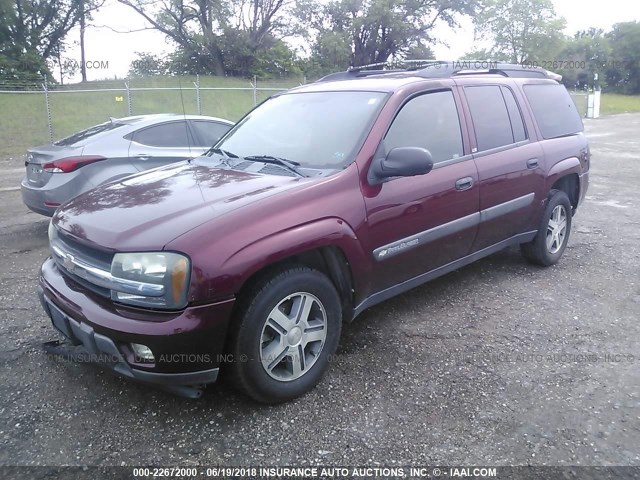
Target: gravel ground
(499,363)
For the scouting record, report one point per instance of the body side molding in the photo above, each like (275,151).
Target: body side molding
(438,272)
(404,244)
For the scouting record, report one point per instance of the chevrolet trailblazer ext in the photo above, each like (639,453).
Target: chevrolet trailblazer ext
(321,202)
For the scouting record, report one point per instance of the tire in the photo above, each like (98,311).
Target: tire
(292,314)
(551,240)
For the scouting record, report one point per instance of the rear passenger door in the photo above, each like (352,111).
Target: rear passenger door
(510,174)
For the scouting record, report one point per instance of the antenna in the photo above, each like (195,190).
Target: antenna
(184,116)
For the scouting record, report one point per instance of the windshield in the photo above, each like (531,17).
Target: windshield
(318,129)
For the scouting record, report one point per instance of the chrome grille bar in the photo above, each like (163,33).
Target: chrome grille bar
(103,278)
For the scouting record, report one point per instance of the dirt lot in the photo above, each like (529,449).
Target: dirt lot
(498,363)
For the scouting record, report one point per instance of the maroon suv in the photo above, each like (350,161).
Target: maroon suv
(321,202)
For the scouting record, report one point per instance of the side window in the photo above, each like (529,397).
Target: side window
(174,134)
(553,109)
(429,121)
(209,132)
(490,117)
(517,125)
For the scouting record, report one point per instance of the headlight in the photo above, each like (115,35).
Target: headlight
(163,279)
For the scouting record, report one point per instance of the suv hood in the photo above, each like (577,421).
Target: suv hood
(147,211)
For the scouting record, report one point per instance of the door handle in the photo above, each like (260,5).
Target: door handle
(142,156)
(464,183)
(532,163)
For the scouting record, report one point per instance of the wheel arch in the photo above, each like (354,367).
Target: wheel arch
(329,259)
(328,245)
(569,184)
(565,176)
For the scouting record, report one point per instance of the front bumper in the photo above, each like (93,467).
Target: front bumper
(187,345)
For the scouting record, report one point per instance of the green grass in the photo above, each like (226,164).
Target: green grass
(612,103)
(24,115)
(24,119)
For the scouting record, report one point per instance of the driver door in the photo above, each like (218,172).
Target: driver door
(419,223)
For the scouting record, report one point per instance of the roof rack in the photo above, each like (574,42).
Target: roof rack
(443,69)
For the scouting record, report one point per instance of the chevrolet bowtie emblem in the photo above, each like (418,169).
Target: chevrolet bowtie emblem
(68,263)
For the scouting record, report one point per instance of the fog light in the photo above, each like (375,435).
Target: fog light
(142,353)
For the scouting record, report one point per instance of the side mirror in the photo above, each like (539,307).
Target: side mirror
(400,162)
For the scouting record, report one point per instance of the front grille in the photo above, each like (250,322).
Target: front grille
(91,256)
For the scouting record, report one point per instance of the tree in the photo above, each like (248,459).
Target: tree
(623,68)
(583,57)
(31,32)
(204,29)
(373,31)
(59,62)
(521,30)
(420,52)
(147,64)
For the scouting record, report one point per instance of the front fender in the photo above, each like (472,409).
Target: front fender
(247,261)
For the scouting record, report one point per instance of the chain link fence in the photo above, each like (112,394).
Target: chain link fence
(35,111)
(580,100)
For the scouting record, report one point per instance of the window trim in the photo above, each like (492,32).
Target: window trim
(501,148)
(131,136)
(461,121)
(524,124)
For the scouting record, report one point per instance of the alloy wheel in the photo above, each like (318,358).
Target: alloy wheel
(556,229)
(293,336)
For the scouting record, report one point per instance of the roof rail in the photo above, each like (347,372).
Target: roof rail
(480,67)
(443,69)
(379,68)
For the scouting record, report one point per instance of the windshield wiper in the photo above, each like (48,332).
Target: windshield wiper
(283,162)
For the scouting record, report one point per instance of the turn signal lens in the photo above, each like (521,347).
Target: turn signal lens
(179,279)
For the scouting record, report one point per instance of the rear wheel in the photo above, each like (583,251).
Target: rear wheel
(553,234)
(285,334)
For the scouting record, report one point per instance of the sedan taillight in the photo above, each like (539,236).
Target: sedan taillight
(69,164)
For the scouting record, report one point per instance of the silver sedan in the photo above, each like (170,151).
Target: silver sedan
(112,150)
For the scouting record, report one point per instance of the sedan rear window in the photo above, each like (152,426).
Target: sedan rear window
(88,133)
(554,110)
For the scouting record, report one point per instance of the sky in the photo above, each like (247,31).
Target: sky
(107,41)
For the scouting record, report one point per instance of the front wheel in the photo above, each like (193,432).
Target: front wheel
(285,334)
(553,234)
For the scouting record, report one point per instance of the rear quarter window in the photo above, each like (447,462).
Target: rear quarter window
(88,133)
(554,110)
